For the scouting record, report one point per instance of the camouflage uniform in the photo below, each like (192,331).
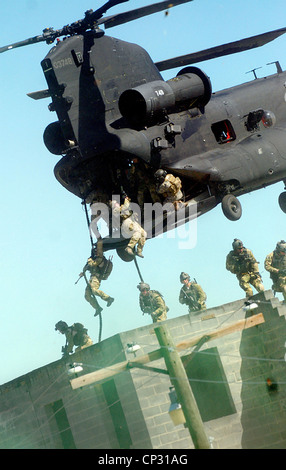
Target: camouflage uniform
(170,188)
(275,264)
(142,183)
(193,296)
(95,266)
(242,263)
(129,226)
(153,303)
(76,335)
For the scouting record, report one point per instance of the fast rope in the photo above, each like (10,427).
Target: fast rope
(138,270)
(92,246)
(88,222)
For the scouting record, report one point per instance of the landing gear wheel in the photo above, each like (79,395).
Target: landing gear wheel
(231,207)
(124,255)
(282,201)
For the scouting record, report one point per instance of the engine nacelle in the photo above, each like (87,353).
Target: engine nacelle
(189,89)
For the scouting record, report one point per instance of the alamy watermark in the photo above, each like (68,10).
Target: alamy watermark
(158,220)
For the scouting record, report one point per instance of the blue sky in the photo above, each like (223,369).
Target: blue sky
(44,237)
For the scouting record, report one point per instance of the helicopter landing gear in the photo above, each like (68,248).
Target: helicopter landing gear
(231,207)
(282,201)
(122,253)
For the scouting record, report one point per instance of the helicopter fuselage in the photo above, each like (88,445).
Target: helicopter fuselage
(113,106)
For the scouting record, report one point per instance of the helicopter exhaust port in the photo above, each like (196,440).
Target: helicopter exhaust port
(54,139)
(189,89)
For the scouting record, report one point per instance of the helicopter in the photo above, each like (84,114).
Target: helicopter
(114,108)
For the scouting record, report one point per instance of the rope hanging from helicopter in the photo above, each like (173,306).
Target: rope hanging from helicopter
(138,270)
(87,283)
(92,246)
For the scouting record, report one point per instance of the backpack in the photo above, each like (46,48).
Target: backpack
(105,270)
(80,333)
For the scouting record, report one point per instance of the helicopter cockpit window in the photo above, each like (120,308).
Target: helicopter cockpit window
(223,131)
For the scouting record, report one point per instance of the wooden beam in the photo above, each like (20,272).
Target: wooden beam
(114,369)
(238,326)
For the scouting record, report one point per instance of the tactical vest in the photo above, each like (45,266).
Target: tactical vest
(243,260)
(149,301)
(191,293)
(104,271)
(279,262)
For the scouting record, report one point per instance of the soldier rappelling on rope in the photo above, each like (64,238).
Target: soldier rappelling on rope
(130,227)
(100,268)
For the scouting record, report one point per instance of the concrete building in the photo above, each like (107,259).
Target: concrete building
(237,376)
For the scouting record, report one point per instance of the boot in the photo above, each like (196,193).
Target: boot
(110,301)
(139,253)
(98,311)
(129,251)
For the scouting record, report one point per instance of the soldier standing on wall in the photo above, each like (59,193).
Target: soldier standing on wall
(152,302)
(76,335)
(192,294)
(275,264)
(240,261)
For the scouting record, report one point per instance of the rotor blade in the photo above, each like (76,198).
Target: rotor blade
(121,18)
(39,95)
(219,51)
(33,40)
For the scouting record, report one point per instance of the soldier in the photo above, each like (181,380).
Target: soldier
(130,226)
(240,261)
(152,302)
(275,264)
(192,294)
(100,269)
(142,183)
(76,335)
(170,187)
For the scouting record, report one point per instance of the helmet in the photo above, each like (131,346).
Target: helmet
(237,244)
(61,326)
(184,276)
(281,246)
(143,286)
(160,175)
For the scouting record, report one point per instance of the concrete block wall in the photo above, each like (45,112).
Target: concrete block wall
(238,352)
(130,410)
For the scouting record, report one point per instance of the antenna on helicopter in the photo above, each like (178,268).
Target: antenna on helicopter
(253,71)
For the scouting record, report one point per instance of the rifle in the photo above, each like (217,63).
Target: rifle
(191,301)
(64,351)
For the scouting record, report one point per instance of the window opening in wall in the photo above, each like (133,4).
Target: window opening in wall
(60,425)
(209,384)
(223,131)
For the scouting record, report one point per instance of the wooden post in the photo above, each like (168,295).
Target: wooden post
(184,392)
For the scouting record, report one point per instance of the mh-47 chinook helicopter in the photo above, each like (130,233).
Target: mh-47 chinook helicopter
(113,107)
